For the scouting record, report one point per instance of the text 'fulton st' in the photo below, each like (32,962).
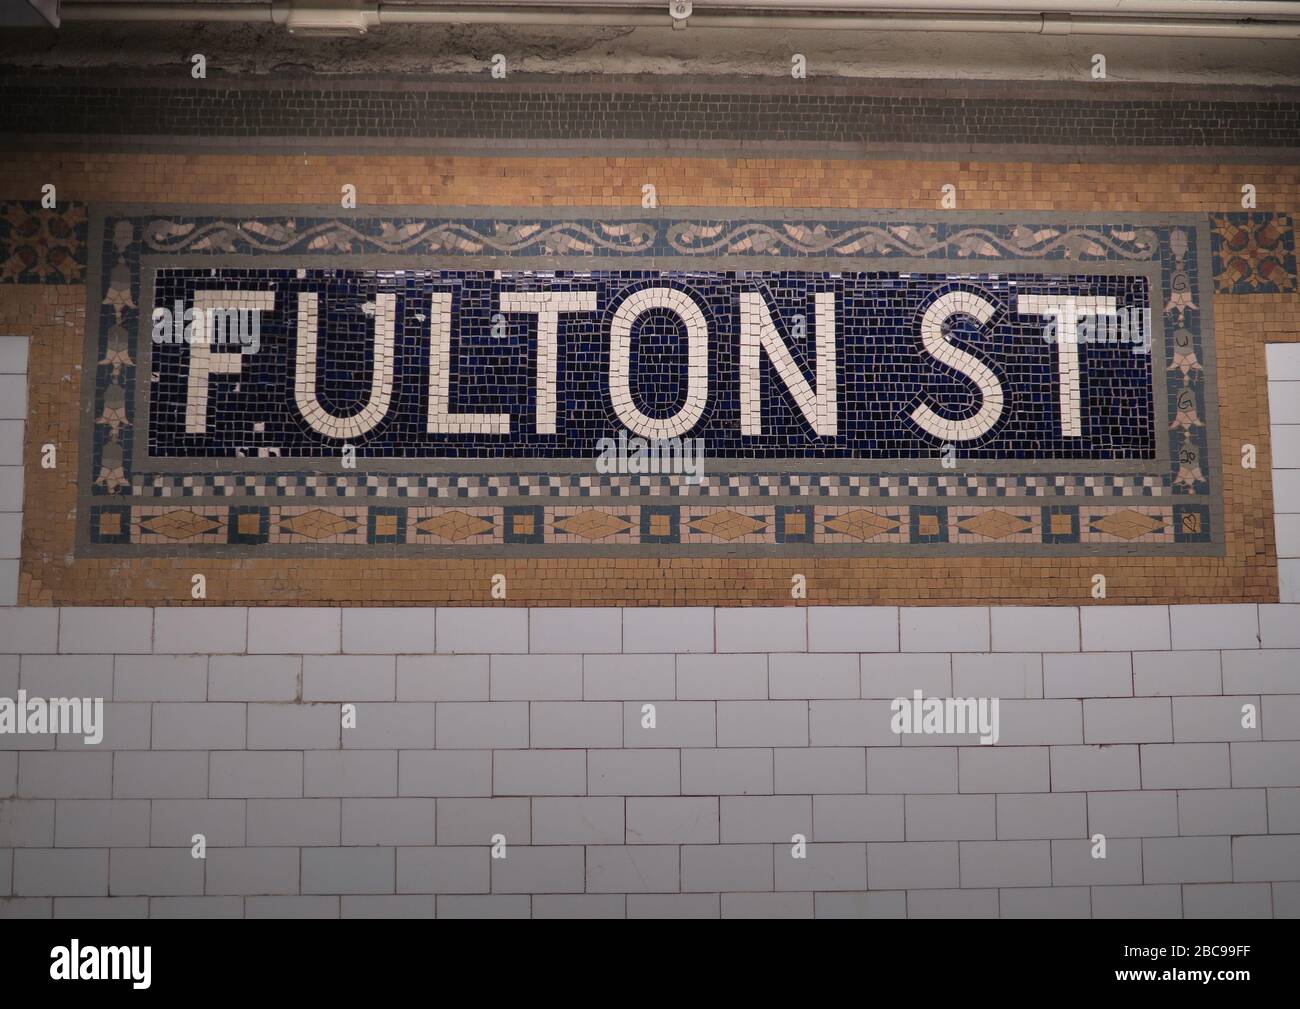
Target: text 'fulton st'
(871,364)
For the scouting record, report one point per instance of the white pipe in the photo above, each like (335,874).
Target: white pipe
(1039,25)
(1285,9)
(243,13)
(1059,25)
(850,15)
(832,22)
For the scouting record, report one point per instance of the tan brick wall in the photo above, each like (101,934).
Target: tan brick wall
(613,182)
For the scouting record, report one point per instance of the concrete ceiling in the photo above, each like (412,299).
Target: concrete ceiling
(268,49)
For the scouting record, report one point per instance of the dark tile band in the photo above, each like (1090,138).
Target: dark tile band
(720,111)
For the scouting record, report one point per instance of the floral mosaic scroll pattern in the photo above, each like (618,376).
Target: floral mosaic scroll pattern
(467,237)
(919,240)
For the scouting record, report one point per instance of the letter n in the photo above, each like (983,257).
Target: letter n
(758,333)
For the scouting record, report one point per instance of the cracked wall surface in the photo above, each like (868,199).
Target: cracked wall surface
(420,49)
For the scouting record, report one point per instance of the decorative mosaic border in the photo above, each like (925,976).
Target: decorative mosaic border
(661,525)
(810,484)
(128,242)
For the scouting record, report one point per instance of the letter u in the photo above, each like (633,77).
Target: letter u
(381,374)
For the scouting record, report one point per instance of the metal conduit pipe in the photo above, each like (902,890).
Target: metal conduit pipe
(1234,9)
(1216,19)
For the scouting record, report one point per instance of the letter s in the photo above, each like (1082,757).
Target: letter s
(937,346)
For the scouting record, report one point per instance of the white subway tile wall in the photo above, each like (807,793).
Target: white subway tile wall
(13,417)
(653,783)
(1284,415)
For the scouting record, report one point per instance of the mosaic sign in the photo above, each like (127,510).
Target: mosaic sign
(473,383)
(477,364)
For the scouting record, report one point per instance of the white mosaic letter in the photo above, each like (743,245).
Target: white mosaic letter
(381,375)
(203,362)
(697,362)
(1066,310)
(441,419)
(547,306)
(937,346)
(757,331)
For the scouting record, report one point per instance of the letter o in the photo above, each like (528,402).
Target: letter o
(697,362)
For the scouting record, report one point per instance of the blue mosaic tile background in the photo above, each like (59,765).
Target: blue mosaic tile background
(882,368)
